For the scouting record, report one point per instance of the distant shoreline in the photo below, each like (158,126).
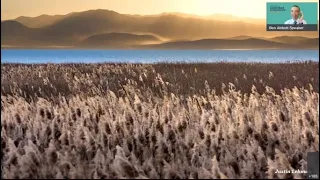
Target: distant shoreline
(160,63)
(77,48)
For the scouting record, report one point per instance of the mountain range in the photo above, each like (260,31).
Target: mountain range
(109,29)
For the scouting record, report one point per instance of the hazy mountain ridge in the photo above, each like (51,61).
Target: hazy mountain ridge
(114,40)
(79,28)
(45,20)
(39,21)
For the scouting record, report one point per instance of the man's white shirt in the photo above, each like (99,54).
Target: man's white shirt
(291,21)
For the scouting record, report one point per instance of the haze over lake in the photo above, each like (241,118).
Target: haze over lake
(153,56)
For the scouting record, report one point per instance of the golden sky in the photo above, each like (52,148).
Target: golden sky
(243,8)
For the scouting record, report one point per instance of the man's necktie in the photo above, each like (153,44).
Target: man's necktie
(295,22)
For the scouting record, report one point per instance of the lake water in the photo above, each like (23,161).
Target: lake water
(154,56)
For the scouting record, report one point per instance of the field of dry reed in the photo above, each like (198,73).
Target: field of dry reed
(220,120)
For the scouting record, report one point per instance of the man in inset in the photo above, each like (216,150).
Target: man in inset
(297,16)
